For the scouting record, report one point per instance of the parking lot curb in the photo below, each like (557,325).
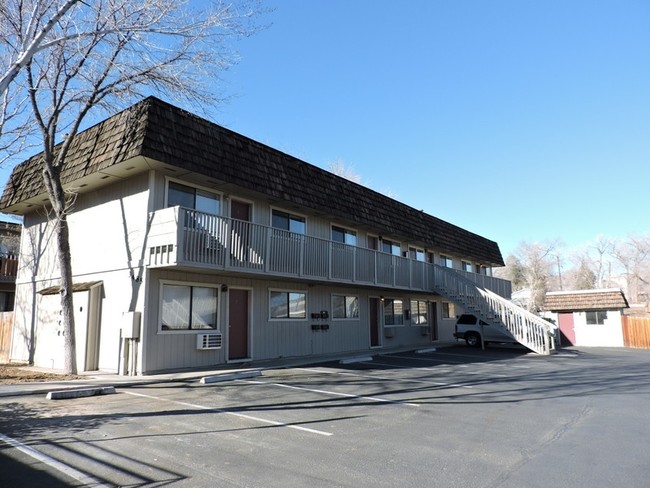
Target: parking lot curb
(240,375)
(80,392)
(358,359)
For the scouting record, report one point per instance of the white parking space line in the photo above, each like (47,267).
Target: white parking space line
(430,370)
(235,414)
(499,364)
(332,393)
(388,378)
(69,471)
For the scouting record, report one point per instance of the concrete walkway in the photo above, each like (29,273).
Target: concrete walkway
(98,379)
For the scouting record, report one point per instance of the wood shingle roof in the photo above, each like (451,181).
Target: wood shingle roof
(159,131)
(584,300)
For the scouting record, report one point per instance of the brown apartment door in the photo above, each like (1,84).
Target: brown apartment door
(240,211)
(374,322)
(238,311)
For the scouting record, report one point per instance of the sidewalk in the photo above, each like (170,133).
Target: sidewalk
(96,379)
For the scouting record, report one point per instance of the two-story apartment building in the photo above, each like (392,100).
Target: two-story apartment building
(194,246)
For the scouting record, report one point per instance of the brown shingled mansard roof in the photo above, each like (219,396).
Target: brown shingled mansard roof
(161,132)
(584,300)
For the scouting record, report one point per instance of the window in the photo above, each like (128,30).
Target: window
(390,247)
(344,236)
(417,254)
(393,312)
(288,305)
(287,221)
(445,261)
(467,266)
(448,310)
(345,307)
(596,318)
(189,307)
(188,197)
(419,312)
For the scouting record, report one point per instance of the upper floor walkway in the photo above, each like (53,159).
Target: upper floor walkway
(180,237)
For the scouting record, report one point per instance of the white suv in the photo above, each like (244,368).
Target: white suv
(469,328)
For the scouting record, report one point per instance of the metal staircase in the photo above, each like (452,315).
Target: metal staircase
(528,329)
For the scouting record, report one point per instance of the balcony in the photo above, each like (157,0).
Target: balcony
(8,267)
(188,238)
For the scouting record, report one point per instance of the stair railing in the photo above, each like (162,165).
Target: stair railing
(527,328)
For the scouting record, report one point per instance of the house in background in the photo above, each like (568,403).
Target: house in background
(193,246)
(588,317)
(9,244)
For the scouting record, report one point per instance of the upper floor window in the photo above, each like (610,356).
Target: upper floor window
(390,247)
(446,261)
(288,305)
(417,254)
(467,266)
(287,221)
(344,236)
(189,197)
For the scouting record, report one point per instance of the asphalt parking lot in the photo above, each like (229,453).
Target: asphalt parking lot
(455,417)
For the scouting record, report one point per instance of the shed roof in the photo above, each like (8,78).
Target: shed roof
(159,131)
(583,300)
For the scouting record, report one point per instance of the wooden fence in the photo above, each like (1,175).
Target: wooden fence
(6,328)
(636,332)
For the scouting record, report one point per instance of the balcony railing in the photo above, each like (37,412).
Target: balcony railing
(8,267)
(185,237)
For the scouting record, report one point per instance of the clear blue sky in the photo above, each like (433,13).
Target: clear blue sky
(517,120)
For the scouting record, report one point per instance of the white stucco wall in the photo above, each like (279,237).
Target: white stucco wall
(609,334)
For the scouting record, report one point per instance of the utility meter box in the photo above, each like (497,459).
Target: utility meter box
(131,325)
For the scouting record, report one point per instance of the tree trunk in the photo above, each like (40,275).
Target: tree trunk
(56,194)
(67,307)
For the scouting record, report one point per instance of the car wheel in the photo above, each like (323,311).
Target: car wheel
(473,339)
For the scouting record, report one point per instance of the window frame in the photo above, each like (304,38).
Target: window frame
(599,317)
(416,311)
(345,231)
(466,266)
(345,296)
(448,310)
(289,215)
(415,253)
(191,285)
(395,246)
(393,314)
(195,188)
(271,318)
(446,261)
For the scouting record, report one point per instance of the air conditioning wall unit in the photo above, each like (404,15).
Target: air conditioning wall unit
(208,341)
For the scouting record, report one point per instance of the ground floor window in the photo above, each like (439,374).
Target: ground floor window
(448,310)
(596,318)
(419,312)
(345,307)
(189,307)
(288,305)
(393,312)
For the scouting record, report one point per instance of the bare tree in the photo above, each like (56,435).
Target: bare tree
(343,170)
(534,266)
(101,56)
(633,255)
